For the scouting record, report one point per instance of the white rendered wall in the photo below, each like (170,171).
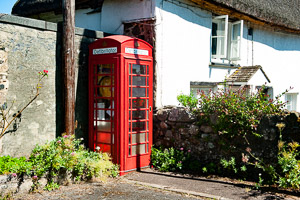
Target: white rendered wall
(114,12)
(182,49)
(183,45)
(279,55)
(88,21)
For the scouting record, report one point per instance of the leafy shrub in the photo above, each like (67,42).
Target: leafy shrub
(169,159)
(65,155)
(14,165)
(237,112)
(62,157)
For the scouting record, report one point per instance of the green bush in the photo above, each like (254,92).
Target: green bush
(237,112)
(66,155)
(62,157)
(169,159)
(14,165)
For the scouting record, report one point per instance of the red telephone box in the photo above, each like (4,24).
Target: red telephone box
(120,100)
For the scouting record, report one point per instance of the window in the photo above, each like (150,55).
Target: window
(291,101)
(226,38)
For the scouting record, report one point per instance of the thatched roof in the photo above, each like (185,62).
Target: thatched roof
(244,74)
(280,13)
(28,8)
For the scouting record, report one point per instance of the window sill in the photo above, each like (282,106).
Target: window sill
(223,66)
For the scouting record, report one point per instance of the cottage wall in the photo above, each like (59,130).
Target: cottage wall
(183,52)
(32,46)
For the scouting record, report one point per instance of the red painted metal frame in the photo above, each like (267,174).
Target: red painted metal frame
(121,61)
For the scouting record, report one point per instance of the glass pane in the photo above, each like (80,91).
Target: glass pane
(103,126)
(138,138)
(147,69)
(221,28)
(147,92)
(214,46)
(147,81)
(130,92)
(138,69)
(104,83)
(138,126)
(214,29)
(138,114)
(99,114)
(147,147)
(129,139)
(139,80)
(105,69)
(138,92)
(129,69)
(129,151)
(129,127)
(221,46)
(236,31)
(138,149)
(234,49)
(104,137)
(129,80)
(139,103)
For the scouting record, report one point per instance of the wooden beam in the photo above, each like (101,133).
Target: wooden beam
(69,64)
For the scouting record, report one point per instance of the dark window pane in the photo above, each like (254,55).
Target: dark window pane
(138,114)
(138,69)
(139,103)
(138,126)
(139,80)
(214,29)
(138,92)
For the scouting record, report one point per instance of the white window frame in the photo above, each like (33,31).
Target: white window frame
(219,20)
(238,40)
(291,99)
(228,39)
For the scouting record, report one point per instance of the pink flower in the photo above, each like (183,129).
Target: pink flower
(65,136)
(35,177)
(14,174)
(58,141)
(245,158)
(248,149)
(45,71)
(181,149)
(73,153)
(189,151)
(180,162)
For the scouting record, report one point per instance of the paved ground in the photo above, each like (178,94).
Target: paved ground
(152,185)
(112,190)
(206,187)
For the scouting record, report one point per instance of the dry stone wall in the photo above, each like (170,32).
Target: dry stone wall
(28,46)
(176,127)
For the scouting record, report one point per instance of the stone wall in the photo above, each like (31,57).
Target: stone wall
(176,127)
(31,46)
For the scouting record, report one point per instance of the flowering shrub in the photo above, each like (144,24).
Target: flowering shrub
(62,157)
(66,155)
(236,112)
(169,159)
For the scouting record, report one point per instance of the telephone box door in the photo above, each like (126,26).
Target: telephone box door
(104,101)
(139,137)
